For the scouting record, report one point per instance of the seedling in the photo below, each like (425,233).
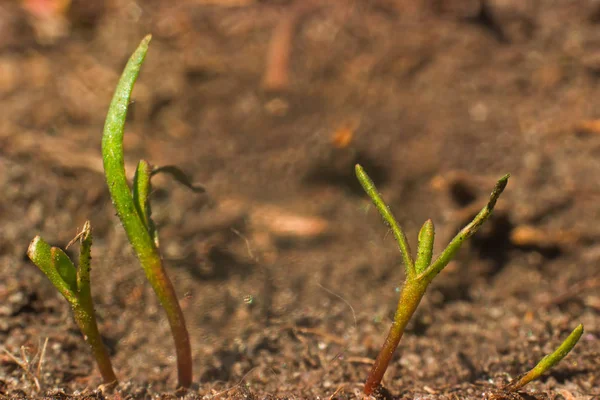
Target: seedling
(74,284)
(133,209)
(546,363)
(419,272)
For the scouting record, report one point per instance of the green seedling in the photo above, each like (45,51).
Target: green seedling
(419,272)
(133,209)
(547,362)
(74,284)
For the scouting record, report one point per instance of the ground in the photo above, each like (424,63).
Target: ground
(286,274)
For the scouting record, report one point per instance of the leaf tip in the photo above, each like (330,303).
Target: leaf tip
(498,189)
(33,246)
(502,182)
(358,169)
(577,332)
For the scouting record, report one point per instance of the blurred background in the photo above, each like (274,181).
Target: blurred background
(286,274)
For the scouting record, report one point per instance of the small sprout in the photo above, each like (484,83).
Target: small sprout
(548,361)
(74,284)
(419,273)
(133,209)
(425,248)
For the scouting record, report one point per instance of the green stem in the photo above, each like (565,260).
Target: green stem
(411,296)
(85,315)
(137,232)
(86,320)
(85,259)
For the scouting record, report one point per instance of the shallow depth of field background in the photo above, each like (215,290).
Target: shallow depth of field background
(287,276)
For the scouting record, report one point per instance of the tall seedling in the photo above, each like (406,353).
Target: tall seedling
(133,209)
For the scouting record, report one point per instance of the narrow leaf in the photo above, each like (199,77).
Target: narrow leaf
(548,361)
(444,258)
(39,252)
(425,249)
(180,176)
(141,190)
(388,218)
(65,267)
(112,156)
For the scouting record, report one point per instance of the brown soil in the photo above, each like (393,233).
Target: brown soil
(287,277)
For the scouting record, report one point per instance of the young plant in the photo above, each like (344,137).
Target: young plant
(547,362)
(419,272)
(133,209)
(74,284)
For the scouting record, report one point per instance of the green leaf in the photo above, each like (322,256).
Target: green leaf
(450,251)
(141,190)
(142,186)
(112,156)
(548,361)
(425,249)
(388,218)
(40,253)
(65,267)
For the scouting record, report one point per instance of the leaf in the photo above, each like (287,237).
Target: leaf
(141,190)
(112,157)
(40,253)
(452,248)
(388,218)
(425,248)
(180,176)
(549,361)
(65,267)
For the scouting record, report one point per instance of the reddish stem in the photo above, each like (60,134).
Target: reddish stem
(410,298)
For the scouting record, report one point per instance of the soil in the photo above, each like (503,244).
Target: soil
(287,277)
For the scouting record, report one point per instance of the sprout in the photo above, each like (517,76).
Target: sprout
(133,209)
(74,284)
(419,272)
(548,361)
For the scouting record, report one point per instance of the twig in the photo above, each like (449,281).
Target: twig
(24,365)
(38,371)
(339,389)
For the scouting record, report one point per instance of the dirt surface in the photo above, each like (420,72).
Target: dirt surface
(287,277)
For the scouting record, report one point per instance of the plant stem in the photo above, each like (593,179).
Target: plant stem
(84,309)
(87,324)
(410,297)
(137,231)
